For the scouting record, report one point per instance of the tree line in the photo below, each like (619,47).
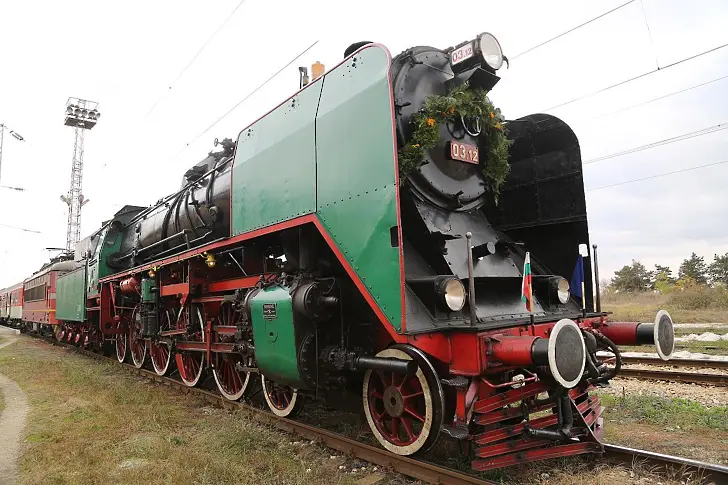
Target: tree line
(693,271)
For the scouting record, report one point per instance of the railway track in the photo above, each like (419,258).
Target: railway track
(417,469)
(708,472)
(676,376)
(697,363)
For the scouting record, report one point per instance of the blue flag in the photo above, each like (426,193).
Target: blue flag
(577,279)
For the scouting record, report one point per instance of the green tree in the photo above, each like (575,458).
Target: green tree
(694,268)
(634,277)
(718,269)
(662,280)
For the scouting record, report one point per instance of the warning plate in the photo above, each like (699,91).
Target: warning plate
(270,311)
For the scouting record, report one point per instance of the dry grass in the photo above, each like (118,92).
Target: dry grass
(92,422)
(710,348)
(673,426)
(684,307)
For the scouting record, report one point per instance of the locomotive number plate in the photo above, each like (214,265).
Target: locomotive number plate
(464,152)
(462,53)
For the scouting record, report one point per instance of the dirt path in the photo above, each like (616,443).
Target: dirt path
(12,422)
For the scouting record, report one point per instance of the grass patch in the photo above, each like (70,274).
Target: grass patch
(2,402)
(92,422)
(682,331)
(653,410)
(719,347)
(672,426)
(688,306)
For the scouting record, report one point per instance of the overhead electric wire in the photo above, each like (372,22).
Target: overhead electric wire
(666,141)
(570,30)
(659,98)
(246,97)
(194,58)
(658,175)
(20,228)
(659,69)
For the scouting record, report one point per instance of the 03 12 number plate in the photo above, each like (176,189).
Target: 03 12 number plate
(461,54)
(464,152)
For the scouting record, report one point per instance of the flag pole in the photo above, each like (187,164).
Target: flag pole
(527,290)
(583,277)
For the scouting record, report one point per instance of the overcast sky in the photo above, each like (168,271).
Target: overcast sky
(127,56)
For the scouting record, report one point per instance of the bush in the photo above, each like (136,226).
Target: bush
(697,297)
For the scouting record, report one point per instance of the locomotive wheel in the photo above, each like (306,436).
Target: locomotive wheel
(282,400)
(192,363)
(405,413)
(121,345)
(160,352)
(231,382)
(138,346)
(59,332)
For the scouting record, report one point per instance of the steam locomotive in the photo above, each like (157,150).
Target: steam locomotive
(299,257)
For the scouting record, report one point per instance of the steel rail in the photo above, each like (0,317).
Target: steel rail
(675,375)
(410,467)
(700,363)
(419,470)
(705,471)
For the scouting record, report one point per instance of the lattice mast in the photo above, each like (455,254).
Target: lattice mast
(82,115)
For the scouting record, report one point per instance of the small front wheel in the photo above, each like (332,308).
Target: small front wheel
(283,401)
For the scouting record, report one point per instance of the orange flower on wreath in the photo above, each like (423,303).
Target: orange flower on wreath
(491,115)
(430,121)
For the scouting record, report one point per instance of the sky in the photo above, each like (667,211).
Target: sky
(128,57)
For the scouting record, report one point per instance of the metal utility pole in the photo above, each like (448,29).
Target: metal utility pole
(82,115)
(15,134)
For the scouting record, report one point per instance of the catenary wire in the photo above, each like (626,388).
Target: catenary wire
(642,103)
(657,176)
(20,228)
(194,58)
(639,76)
(666,141)
(570,30)
(246,97)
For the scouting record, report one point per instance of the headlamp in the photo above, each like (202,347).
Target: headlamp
(490,50)
(485,49)
(559,288)
(452,294)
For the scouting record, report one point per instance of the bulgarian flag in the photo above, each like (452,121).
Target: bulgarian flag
(527,287)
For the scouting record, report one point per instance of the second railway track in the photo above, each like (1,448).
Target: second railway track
(676,376)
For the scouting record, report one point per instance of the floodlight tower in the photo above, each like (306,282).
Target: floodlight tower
(82,115)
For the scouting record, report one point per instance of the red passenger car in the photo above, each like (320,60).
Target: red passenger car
(39,295)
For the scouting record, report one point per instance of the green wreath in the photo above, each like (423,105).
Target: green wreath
(470,104)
